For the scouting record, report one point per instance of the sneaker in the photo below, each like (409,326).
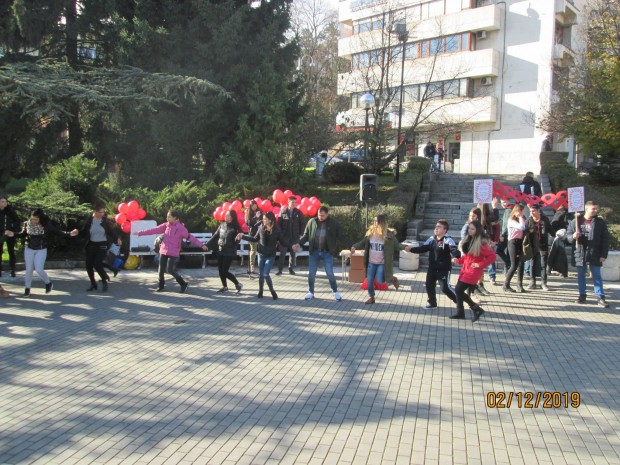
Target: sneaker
(48,287)
(370,300)
(493,282)
(309,296)
(223,289)
(601,302)
(430,306)
(544,287)
(291,271)
(581,299)
(337,296)
(239,287)
(531,286)
(184,287)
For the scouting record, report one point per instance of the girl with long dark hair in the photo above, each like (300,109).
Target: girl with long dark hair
(476,255)
(267,238)
(225,239)
(516,228)
(99,231)
(35,232)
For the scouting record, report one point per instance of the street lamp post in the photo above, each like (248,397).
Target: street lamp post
(368,101)
(401,31)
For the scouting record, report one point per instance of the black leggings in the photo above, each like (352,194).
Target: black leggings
(10,247)
(223,265)
(95,254)
(462,295)
(515,250)
(168,264)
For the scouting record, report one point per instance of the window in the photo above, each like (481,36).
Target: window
(452,44)
(451,88)
(436,46)
(465,41)
(411,94)
(434,90)
(411,51)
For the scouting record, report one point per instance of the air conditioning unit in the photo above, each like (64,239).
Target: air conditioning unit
(486,81)
(481,35)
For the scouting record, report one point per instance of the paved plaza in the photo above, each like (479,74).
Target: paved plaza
(134,376)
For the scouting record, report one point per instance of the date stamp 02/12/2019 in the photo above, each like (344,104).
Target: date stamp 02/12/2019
(531,399)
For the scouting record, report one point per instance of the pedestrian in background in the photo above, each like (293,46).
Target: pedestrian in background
(8,222)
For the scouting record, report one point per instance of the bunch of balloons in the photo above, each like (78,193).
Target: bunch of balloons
(128,212)
(308,206)
(555,201)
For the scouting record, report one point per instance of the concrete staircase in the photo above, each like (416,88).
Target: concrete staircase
(447,196)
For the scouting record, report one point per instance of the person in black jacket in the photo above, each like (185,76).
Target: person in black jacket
(225,239)
(35,232)
(99,232)
(539,228)
(8,222)
(529,185)
(267,236)
(292,226)
(442,249)
(253,218)
(590,239)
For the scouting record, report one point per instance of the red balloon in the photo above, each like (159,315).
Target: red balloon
(122,207)
(131,216)
(241,217)
(247,203)
(236,206)
(133,206)
(312,210)
(120,218)
(244,228)
(141,213)
(276,210)
(258,200)
(313,199)
(221,215)
(266,205)
(316,202)
(298,197)
(287,193)
(277,196)
(226,206)
(126,227)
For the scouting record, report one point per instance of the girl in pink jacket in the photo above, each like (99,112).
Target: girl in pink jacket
(174,232)
(476,255)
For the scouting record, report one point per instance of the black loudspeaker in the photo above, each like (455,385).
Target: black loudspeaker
(368,188)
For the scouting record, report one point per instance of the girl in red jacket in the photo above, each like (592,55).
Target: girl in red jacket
(476,255)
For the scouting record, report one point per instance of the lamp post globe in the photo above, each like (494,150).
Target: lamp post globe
(368,101)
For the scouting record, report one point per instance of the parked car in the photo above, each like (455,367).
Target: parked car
(352,156)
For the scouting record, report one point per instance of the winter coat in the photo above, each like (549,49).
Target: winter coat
(8,220)
(224,240)
(254,223)
(335,236)
(539,232)
(108,227)
(174,233)
(389,246)
(440,256)
(39,241)
(267,241)
(530,186)
(291,223)
(590,249)
(557,260)
(471,275)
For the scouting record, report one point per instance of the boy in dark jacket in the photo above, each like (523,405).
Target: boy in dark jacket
(590,238)
(539,229)
(442,249)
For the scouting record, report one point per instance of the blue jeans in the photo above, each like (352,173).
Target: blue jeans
(313,264)
(264,268)
(596,279)
(374,271)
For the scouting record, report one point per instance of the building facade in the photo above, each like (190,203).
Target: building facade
(475,75)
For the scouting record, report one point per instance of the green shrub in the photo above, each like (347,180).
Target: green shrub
(342,173)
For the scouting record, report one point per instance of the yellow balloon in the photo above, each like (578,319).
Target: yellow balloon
(132,262)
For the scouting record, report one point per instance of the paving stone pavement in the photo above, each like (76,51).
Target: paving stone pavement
(134,376)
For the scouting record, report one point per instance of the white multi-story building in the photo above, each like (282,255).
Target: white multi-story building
(483,67)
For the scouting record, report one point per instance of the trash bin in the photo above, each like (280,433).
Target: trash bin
(409,261)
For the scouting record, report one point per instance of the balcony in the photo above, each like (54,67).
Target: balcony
(486,18)
(562,56)
(460,65)
(566,12)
